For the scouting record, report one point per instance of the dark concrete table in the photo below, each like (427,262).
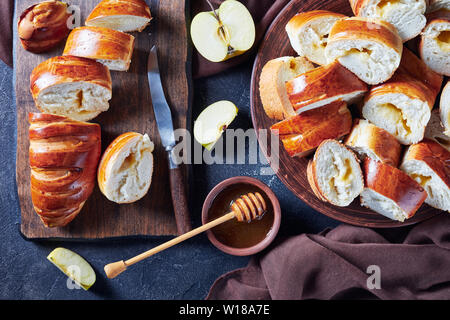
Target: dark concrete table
(183,272)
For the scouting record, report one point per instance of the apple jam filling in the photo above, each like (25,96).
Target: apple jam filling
(422,180)
(391,112)
(386,5)
(341,180)
(363,54)
(443,40)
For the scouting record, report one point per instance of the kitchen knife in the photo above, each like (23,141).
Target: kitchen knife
(165,127)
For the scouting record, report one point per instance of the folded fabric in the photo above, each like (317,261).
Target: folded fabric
(6,16)
(348,263)
(262,11)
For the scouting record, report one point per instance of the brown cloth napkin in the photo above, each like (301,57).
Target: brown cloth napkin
(334,265)
(6,16)
(263,12)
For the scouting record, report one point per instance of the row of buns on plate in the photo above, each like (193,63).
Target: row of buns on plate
(65,151)
(391,154)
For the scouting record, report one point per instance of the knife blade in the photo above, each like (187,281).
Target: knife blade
(164,123)
(161,109)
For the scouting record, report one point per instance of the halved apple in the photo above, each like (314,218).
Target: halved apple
(213,121)
(73,266)
(224,33)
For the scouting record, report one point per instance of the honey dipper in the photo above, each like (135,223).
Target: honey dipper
(246,208)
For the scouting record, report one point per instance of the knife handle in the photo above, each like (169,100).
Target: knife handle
(179,200)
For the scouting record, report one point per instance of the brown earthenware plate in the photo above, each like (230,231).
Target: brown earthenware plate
(292,171)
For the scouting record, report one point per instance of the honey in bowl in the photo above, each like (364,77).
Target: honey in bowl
(240,234)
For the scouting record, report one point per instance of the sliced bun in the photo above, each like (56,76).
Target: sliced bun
(302,133)
(408,16)
(371,141)
(390,191)
(369,48)
(43,25)
(435,131)
(110,47)
(121,15)
(322,86)
(74,87)
(435,43)
(402,106)
(429,164)
(125,170)
(434,5)
(308,33)
(272,88)
(334,174)
(445,109)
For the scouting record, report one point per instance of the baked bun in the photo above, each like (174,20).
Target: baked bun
(435,44)
(63,158)
(445,108)
(74,87)
(408,16)
(435,131)
(334,174)
(370,48)
(434,5)
(304,132)
(110,47)
(370,141)
(402,106)
(429,164)
(121,15)
(390,191)
(322,86)
(125,170)
(43,25)
(308,33)
(272,87)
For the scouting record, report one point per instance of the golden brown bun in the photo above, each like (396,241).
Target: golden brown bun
(429,164)
(76,87)
(402,105)
(370,48)
(444,109)
(110,47)
(406,15)
(302,133)
(374,142)
(402,196)
(435,42)
(43,25)
(334,173)
(322,86)
(308,33)
(125,170)
(63,158)
(272,84)
(121,15)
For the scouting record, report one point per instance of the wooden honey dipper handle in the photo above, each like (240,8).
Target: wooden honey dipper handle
(245,208)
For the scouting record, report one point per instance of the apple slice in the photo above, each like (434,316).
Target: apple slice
(213,121)
(73,266)
(224,33)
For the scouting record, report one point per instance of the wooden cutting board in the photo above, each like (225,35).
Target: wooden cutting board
(130,110)
(292,171)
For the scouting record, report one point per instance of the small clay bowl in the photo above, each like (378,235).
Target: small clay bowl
(265,191)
